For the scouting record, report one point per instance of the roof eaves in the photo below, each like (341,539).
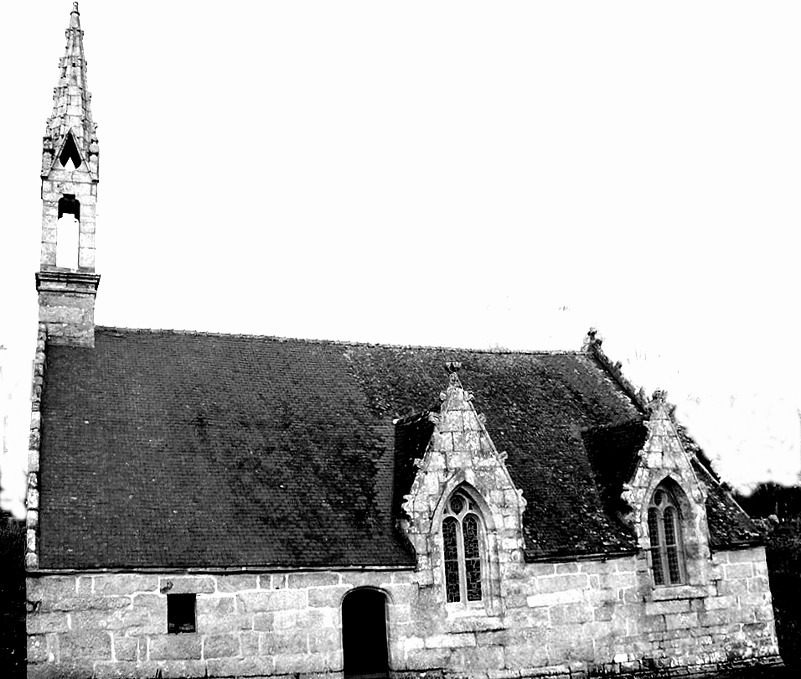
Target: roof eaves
(221,570)
(738,544)
(579,556)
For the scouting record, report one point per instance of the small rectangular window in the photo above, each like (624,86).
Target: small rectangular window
(180,613)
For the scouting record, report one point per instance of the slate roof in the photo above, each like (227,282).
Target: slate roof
(166,449)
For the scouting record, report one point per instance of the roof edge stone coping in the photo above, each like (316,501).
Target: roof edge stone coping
(592,346)
(342,343)
(34,448)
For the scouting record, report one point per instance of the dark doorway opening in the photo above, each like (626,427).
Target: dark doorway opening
(364,634)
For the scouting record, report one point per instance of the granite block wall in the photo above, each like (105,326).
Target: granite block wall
(585,617)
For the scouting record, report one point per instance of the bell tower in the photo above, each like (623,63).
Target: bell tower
(66,280)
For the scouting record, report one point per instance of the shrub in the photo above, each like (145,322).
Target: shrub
(12,598)
(784,568)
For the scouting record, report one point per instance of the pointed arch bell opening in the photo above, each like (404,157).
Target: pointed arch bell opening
(68,232)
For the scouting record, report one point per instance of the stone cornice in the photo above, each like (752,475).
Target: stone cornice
(65,279)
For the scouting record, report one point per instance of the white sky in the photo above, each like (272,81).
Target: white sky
(451,173)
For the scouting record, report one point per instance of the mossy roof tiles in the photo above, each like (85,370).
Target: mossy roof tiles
(165,449)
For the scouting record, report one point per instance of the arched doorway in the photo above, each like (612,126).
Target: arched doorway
(364,634)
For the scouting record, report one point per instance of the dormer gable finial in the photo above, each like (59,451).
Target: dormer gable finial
(453,368)
(454,383)
(592,340)
(659,407)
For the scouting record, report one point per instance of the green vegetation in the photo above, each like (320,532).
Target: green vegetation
(784,565)
(12,598)
(780,508)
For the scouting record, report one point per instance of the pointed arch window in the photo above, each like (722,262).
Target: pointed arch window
(462,535)
(665,535)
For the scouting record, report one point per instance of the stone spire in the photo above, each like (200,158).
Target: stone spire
(66,280)
(71,108)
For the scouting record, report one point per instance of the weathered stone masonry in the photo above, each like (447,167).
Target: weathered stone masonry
(590,616)
(593,616)
(248,624)
(34,443)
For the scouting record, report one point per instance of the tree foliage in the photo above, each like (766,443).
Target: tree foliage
(12,598)
(770,498)
(783,548)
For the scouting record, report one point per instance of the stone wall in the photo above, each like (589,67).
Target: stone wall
(587,616)
(56,183)
(115,625)
(67,306)
(604,617)
(34,443)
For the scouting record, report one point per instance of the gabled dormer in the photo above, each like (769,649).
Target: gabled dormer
(66,281)
(668,503)
(463,512)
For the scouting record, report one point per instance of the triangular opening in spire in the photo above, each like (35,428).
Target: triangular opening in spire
(69,152)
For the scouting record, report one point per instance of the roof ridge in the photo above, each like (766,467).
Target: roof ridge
(344,343)
(592,347)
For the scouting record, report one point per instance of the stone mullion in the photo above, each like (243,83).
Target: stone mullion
(663,552)
(461,561)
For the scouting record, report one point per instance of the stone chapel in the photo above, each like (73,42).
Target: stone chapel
(212,505)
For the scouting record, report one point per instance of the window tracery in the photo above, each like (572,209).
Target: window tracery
(461,537)
(664,532)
